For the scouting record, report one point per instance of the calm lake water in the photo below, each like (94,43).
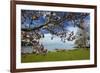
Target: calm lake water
(29,49)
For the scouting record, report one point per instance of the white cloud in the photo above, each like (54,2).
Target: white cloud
(55,43)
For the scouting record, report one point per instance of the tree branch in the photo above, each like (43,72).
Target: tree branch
(35,28)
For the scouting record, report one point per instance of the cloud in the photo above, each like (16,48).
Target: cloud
(55,43)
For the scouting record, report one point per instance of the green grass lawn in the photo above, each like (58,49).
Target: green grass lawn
(77,54)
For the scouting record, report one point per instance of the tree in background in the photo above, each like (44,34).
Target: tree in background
(83,36)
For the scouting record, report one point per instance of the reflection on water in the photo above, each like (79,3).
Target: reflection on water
(26,49)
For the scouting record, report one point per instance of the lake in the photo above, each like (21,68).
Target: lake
(28,49)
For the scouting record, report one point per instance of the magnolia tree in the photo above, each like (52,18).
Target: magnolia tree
(34,24)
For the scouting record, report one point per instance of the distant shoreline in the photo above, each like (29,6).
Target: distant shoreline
(28,49)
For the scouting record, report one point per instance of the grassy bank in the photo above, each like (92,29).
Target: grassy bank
(77,54)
